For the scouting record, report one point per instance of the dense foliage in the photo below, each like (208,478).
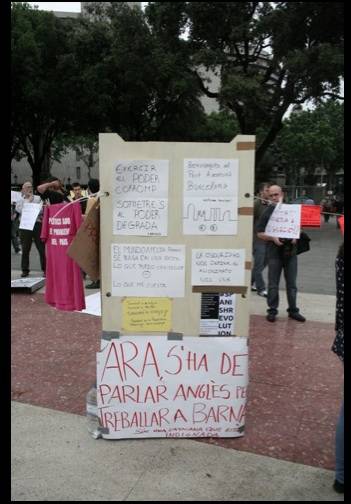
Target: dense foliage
(142,74)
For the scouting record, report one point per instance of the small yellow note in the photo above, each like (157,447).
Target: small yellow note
(146,314)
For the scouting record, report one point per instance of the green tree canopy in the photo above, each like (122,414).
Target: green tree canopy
(314,138)
(139,74)
(42,70)
(268,55)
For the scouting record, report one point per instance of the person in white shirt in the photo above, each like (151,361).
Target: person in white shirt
(27,236)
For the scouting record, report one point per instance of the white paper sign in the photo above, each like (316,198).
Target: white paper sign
(218,267)
(140,197)
(210,204)
(15,196)
(284,221)
(29,215)
(92,305)
(155,387)
(141,270)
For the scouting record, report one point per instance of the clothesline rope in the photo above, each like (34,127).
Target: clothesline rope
(99,194)
(273,203)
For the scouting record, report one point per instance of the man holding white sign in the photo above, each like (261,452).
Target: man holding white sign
(30,209)
(280,226)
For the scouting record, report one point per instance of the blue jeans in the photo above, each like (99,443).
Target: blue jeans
(260,262)
(275,266)
(339,447)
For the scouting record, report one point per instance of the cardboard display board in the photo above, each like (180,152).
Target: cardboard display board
(176,222)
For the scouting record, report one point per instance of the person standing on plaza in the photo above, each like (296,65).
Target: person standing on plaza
(338,348)
(26,235)
(52,191)
(93,188)
(326,209)
(259,246)
(77,190)
(281,255)
(14,228)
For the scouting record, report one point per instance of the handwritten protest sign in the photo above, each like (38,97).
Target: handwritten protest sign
(29,215)
(210,196)
(284,221)
(341,222)
(218,267)
(15,196)
(146,314)
(148,270)
(310,216)
(155,387)
(140,197)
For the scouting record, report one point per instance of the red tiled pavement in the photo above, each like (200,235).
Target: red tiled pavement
(295,381)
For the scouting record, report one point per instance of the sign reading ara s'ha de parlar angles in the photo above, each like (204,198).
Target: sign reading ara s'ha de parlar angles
(152,386)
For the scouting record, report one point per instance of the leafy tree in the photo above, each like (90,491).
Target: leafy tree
(268,55)
(218,127)
(314,138)
(151,95)
(42,69)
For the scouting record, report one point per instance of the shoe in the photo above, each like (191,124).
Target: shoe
(262,293)
(93,285)
(297,316)
(24,274)
(271,317)
(253,288)
(338,487)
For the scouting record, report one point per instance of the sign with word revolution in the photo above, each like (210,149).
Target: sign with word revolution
(157,387)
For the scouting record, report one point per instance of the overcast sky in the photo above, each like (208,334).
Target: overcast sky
(61,6)
(58,6)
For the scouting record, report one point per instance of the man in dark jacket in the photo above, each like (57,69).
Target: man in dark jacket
(281,255)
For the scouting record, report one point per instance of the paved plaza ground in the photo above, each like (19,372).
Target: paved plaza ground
(287,452)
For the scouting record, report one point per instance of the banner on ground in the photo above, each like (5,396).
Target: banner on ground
(155,386)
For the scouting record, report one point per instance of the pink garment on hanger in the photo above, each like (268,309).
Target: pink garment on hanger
(64,287)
